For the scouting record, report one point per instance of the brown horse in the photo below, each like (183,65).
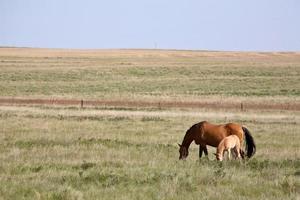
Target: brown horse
(205,133)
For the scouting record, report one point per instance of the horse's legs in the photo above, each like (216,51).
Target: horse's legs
(200,151)
(229,152)
(242,153)
(205,150)
(233,153)
(236,151)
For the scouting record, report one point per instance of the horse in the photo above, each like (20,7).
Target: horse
(229,143)
(205,133)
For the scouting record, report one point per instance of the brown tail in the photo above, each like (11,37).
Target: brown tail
(250,144)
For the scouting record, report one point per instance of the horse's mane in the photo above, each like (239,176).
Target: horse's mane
(189,134)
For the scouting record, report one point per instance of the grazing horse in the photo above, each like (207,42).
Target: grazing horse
(205,133)
(231,142)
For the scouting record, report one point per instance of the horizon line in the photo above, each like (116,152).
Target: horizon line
(148,49)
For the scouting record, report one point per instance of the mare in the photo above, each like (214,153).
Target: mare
(229,143)
(205,133)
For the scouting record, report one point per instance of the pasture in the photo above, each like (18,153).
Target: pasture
(131,152)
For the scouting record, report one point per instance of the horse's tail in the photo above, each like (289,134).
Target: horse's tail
(250,145)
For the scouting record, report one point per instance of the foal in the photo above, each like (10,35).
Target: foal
(229,143)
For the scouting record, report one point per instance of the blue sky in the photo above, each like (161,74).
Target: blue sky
(246,25)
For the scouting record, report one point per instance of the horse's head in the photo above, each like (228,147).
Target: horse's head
(183,152)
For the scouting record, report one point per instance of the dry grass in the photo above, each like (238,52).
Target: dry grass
(64,152)
(266,116)
(150,75)
(144,53)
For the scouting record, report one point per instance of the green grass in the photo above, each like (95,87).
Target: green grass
(145,81)
(127,157)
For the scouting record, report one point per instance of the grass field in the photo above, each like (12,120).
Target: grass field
(148,74)
(65,152)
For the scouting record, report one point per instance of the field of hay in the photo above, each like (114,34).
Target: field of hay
(129,150)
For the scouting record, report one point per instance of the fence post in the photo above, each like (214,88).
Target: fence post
(81,103)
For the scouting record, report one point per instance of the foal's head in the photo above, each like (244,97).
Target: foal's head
(183,152)
(219,156)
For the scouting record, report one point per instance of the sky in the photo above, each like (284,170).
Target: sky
(224,25)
